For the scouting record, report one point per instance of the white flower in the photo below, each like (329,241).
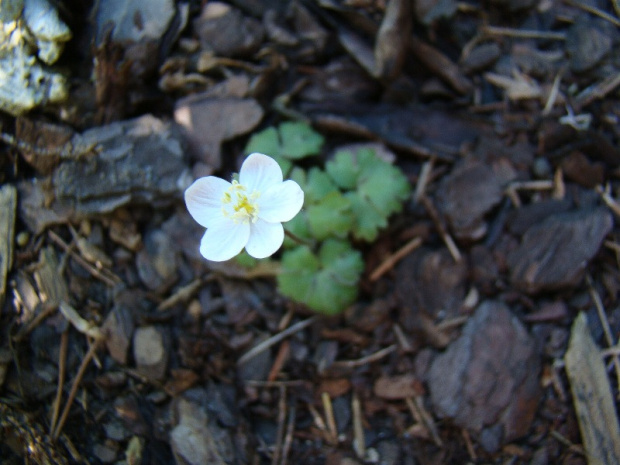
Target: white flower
(247,213)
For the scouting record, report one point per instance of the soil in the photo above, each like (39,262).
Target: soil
(487,322)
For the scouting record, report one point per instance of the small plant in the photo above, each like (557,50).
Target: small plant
(349,200)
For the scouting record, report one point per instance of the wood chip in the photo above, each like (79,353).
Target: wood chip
(592,397)
(8,203)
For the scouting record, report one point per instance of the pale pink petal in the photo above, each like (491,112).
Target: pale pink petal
(265,239)
(224,239)
(280,202)
(259,172)
(204,199)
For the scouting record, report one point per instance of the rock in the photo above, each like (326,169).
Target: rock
(118,328)
(150,352)
(28,27)
(211,121)
(214,27)
(481,57)
(554,253)
(468,193)
(196,439)
(134,21)
(157,262)
(588,42)
(487,380)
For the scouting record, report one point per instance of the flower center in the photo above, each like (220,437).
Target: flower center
(240,206)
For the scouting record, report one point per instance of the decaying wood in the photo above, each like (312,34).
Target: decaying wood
(8,202)
(592,397)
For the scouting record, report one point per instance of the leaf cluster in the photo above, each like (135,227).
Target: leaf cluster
(352,197)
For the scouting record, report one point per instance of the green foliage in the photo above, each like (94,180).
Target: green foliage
(290,141)
(352,197)
(327,281)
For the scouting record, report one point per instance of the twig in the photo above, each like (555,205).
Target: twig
(469,445)
(299,240)
(359,443)
(62,365)
(366,360)
(277,453)
(425,172)
(596,298)
(595,11)
(447,239)
(329,417)
(181,295)
(253,352)
(111,281)
(279,361)
(290,429)
(47,308)
(393,259)
(76,382)
(402,339)
(522,33)
(597,91)
(608,199)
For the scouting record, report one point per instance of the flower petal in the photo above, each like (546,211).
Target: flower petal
(280,202)
(204,199)
(265,239)
(258,172)
(224,239)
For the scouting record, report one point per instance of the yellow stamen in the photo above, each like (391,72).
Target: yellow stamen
(238,205)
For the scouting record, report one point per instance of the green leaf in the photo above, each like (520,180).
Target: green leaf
(343,169)
(299,140)
(384,185)
(266,141)
(367,219)
(317,186)
(332,216)
(327,283)
(299,227)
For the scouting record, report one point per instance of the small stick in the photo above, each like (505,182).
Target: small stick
(359,443)
(365,360)
(425,172)
(288,439)
(298,239)
(598,303)
(608,199)
(277,453)
(181,295)
(447,239)
(595,11)
(468,444)
(402,339)
(47,308)
(428,420)
(62,365)
(522,34)
(393,259)
(279,361)
(76,382)
(253,352)
(110,281)
(329,417)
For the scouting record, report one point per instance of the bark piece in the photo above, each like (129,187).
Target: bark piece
(209,122)
(592,396)
(150,352)
(466,195)
(8,204)
(487,380)
(135,161)
(398,387)
(554,253)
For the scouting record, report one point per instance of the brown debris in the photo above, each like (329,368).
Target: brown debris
(554,253)
(487,380)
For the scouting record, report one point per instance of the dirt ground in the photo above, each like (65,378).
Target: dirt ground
(487,320)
